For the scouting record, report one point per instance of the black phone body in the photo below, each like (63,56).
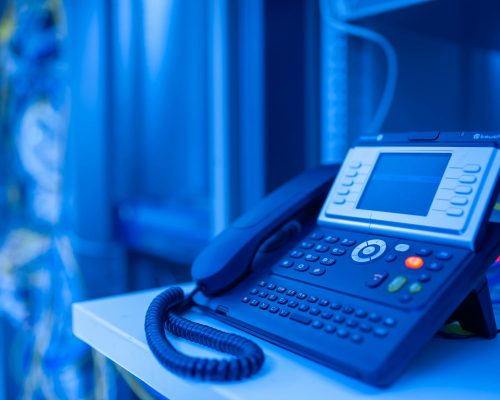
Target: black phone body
(335,268)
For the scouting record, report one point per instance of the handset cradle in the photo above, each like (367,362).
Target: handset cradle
(230,254)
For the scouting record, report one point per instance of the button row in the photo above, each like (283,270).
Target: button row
(315,306)
(416,262)
(319,255)
(329,322)
(351,176)
(423,251)
(414,288)
(464,189)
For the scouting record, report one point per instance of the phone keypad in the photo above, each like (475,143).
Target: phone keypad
(322,252)
(322,255)
(341,320)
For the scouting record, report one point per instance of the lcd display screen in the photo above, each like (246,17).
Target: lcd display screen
(404,183)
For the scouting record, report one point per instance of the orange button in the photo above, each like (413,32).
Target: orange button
(414,262)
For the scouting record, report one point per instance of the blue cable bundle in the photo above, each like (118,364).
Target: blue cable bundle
(161,314)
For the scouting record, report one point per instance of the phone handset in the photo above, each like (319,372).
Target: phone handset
(221,265)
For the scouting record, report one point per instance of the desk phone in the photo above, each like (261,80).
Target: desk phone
(358,266)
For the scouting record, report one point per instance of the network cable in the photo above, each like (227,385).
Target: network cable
(388,49)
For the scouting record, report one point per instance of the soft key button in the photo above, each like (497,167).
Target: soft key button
(467,179)
(348,182)
(402,247)
(351,174)
(343,191)
(463,190)
(472,168)
(355,164)
(454,212)
(368,250)
(339,200)
(459,201)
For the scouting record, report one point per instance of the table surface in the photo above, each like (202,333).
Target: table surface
(458,369)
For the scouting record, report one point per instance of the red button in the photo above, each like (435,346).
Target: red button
(414,262)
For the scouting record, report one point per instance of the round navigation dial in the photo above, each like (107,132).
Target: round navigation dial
(369,250)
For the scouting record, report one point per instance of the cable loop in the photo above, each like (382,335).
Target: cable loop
(248,356)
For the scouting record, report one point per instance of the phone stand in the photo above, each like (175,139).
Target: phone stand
(475,314)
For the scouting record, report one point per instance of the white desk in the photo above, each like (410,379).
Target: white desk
(454,369)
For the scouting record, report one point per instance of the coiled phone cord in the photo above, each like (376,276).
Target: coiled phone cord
(161,315)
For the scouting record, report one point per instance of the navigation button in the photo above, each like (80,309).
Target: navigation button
(454,212)
(471,168)
(467,179)
(463,190)
(368,250)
